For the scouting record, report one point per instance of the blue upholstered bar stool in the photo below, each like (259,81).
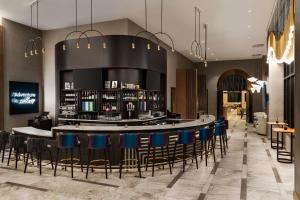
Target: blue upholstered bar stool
(4,136)
(224,122)
(38,146)
(158,140)
(207,143)
(185,138)
(219,132)
(130,141)
(68,141)
(16,143)
(98,142)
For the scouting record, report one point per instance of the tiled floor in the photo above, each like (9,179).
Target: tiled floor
(248,171)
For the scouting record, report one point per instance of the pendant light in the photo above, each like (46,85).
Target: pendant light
(145,31)
(76,28)
(89,45)
(196,48)
(205,46)
(33,45)
(161,33)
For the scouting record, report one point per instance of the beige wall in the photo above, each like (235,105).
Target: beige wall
(276,92)
(17,68)
(174,61)
(117,27)
(253,67)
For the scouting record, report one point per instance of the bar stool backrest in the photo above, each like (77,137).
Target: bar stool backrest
(4,136)
(204,134)
(186,137)
(16,140)
(130,140)
(98,141)
(159,139)
(35,144)
(67,140)
(221,118)
(219,129)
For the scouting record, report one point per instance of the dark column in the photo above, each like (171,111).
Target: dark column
(297,99)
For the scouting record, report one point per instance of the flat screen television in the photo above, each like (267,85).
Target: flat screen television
(234,96)
(23,97)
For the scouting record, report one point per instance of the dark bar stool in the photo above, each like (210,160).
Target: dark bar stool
(207,142)
(222,121)
(4,136)
(185,138)
(68,141)
(16,143)
(158,140)
(98,142)
(130,141)
(219,132)
(38,146)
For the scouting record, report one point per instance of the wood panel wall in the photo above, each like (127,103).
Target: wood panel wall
(202,93)
(1,79)
(187,93)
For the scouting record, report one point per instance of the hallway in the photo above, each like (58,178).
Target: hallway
(248,171)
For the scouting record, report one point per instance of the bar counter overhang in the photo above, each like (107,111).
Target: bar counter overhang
(115,131)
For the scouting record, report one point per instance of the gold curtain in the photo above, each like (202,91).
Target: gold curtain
(282,50)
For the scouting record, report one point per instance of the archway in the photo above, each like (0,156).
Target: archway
(234,80)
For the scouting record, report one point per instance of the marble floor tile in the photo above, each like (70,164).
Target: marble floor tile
(216,181)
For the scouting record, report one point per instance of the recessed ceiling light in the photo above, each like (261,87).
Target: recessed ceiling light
(249,26)
(208,48)
(250,11)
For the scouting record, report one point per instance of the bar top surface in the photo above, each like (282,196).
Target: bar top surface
(32,131)
(124,121)
(203,121)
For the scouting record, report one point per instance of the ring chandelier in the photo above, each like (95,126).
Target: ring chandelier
(35,45)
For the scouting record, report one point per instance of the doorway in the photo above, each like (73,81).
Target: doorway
(234,96)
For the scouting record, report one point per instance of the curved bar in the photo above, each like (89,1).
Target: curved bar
(114,131)
(124,121)
(193,125)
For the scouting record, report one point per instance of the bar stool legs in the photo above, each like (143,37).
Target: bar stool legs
(91,158)
(3,151)
(121,163)
(138,162)
(154,158)
(56,161)
(65,160)
(123,160)
(184,155)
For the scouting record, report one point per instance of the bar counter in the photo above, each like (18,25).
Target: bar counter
(204,120)
(115,131)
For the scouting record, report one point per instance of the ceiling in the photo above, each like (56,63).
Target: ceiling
(234,26)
